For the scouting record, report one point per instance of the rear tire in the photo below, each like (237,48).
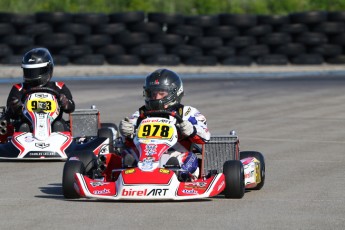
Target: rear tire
(107,133)
(70,169)
(260,158)
(234,179)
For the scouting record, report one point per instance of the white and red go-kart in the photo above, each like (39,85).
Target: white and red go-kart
(104,177)
(41,108)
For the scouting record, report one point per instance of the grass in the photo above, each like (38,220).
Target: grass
(186,7)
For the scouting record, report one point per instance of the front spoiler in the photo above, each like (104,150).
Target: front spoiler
(172,190)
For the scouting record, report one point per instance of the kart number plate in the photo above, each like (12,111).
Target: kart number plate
(155,130)
(41,105)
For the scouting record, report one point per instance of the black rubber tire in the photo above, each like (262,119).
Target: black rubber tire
(96,40)
(207,42)
(260,157)
(76,50)
(107,133)
(61,60)
(238,20)
(70,168)
(111,28)
(295,28)
(272,59)
(275,20)
(12,60)
(7,29)
(6,17)
(338,39)
(168,39)
(310,17)
(53,17)
(307,59)
(55,40)
(124,60)
(149,49)
(163,18)
(18,40)
(312,38)
(186,51)
(110,50)
(111,125)
(329,28)
(186,30)
(86,156)
(222,31)
(146,27)
(290,49)
(336,16)
(255,50)
(89,59)
(163,59)
(202,20)
(242,41)
(37,29)
(5,50)
(327,50)
(130,39)
(73,28)
(234,179)
(275,38)
(92,19)
(337,60)
(221,52)
(127,17)
(23,19)
(238,61)
(201,61)
(259,30)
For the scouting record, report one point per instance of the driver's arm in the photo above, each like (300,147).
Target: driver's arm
(201,134)
(14,104)
(66,99)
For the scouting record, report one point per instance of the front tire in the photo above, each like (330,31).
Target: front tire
(234,179)
(260,158)
(71,167)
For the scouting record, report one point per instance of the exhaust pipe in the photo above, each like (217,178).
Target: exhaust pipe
(3,123)
(3,131)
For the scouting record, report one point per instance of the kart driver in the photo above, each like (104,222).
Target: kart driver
(163,90)
(37,65)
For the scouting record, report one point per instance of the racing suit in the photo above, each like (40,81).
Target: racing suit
(182,149)
(15,103)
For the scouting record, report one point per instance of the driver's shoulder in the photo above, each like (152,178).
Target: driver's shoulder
(189,110)
(58,84)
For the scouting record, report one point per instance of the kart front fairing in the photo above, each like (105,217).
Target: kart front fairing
(159,184)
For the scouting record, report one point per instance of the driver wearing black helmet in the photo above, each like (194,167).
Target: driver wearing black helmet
(163,90)
(38,66)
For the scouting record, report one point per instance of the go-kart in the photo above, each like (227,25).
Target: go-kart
(40,142)
(154,177)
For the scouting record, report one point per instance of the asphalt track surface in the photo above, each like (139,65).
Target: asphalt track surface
(297,123)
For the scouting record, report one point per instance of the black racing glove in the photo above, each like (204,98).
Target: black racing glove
(64,102)
(16,105)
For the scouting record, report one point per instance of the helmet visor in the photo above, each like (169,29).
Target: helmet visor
(33,73)
(156,94)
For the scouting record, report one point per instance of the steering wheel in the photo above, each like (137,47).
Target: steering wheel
(42,90)
(159,113)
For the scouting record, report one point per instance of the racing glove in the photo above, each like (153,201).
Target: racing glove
(16,105)
(186,128)
(126,128)
(64,102)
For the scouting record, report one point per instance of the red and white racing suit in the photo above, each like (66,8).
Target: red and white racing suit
(182,149)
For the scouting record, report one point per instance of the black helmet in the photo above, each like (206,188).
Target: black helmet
(163,80)
(37,67)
